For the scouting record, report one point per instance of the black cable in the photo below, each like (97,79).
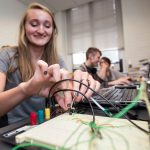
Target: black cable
(147,132)
(63,90)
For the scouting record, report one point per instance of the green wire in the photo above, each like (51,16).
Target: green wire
(131,105)
(94,135)
(111,140)
(91,140)
(32,144)
(120,135)
(91,124)
(81,142)
(71,135)
(77,142)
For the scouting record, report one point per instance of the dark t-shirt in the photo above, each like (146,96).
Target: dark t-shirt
(92,71)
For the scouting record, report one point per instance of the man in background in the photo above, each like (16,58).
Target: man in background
(93,58)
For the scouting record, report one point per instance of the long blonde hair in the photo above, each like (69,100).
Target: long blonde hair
(50,52)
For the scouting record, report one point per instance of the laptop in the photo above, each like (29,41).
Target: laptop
(119,95)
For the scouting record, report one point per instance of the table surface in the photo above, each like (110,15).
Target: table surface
(142,114)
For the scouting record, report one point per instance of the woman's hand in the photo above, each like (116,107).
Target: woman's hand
(42,80)
(87,79)
(44,77)
(64,99)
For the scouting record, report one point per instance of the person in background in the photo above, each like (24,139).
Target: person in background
(28,71)
(113,77)
(93,57)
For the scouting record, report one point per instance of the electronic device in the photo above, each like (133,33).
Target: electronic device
(118,95)
(8,133)
(74,133)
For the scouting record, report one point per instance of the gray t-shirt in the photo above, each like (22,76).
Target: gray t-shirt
(33,103)
(114,75)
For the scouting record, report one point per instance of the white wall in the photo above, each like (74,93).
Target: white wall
(136,21)
(136,26)
(136,30)
(11,12)
(10,16)
(60,19)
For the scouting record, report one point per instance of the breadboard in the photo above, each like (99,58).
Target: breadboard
(70,132)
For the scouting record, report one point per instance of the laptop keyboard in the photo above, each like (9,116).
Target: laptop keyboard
(116,95)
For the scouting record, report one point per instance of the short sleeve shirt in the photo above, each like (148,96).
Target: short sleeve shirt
(30,104)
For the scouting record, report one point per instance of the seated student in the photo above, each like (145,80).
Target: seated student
(92,60)
(108,74)
(93,55)
(28,70)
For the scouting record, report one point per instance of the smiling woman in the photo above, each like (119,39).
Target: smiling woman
(37,39)
(37,36)
(28,71)
(39,27)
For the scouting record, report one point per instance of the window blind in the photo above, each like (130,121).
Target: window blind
(97,23)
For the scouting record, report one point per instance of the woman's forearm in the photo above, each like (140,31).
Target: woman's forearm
(10,98)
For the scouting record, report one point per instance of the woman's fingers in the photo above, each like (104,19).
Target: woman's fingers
(51,72)
(66,85)
(54,73)
(83,78)
(88,80)
(41,68)
(92,85)
(46,76)
(60,100)
(78,77)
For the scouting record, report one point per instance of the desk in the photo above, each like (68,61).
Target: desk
(5,146)
(73,132)
(9,144)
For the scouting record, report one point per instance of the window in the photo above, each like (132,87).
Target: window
(112,54)
(78,58)
(97,24)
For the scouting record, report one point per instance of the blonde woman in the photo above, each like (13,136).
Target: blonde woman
(28,70)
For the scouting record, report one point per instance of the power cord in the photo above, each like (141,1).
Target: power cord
(64,90)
